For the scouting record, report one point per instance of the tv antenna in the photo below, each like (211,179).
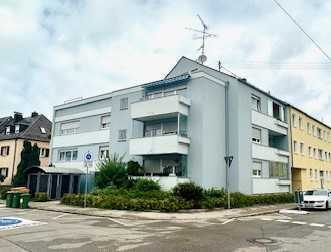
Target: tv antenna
(203,35)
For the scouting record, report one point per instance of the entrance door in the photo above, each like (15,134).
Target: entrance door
(65,184)
(54,186)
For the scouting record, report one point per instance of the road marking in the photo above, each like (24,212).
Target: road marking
(59,216)
(227,221)
(283,220)
(119,222)
(267,219)
(299,222)
(316,225)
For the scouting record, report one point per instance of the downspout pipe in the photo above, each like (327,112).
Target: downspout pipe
(227,145)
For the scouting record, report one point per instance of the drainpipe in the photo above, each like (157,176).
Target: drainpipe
(12,171)
(291,147)
(227,148)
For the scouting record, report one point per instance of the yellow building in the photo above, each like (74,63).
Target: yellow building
(13,132)
(311,152)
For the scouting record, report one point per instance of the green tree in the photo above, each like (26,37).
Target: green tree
(29,157)
(112,172)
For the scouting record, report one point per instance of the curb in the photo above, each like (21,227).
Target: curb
(130,217)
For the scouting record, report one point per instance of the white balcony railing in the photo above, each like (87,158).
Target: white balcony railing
(268,153)
(269,122)
(158,107)
(166,144)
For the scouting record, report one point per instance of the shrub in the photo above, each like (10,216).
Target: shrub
(188,191)
(41,197)
(212,202)
(3,191)
(112,172)
(214,192)
(145,185)
(134,168)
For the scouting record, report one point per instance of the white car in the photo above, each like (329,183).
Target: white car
(317,199)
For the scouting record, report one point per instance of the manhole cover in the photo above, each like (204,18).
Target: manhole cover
(263,241)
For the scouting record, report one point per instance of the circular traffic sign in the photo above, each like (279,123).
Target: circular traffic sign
(88,157)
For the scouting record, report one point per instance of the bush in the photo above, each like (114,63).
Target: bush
(3,191)
(212,202)
(170,204)
(188,191)
(134,168)
(214,192)
(112,172)
(145,185)
(41,197)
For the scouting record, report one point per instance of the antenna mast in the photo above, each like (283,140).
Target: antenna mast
(204,35)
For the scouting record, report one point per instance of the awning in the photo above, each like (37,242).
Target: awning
(54,170)
(167,82)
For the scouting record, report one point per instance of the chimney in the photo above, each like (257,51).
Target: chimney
(34,114)
(18,117)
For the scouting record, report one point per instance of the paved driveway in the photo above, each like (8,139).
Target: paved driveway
(73,232)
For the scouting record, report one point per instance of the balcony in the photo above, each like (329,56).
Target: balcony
(269,122)
(156,145)
(268,153)
(158,108)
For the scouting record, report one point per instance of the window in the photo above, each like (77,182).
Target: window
(314,131)
(4,171)
(325,156)
(314,153)
(295,147)
(103,152)
(68,155)
(320,154)
(319,133)
(311,173)
(69,128)
(7,130)
(124,103)
(294,121)
(309,152)
(278,169)
(42,130)
(300,123)
(256,103)
(276,111)
(44,152)
(315,173)
(327,174)
(17,129)
(308,128)
(122,135)
(105,121)
(302,148)
(4,151)
(256,135)
(257,169)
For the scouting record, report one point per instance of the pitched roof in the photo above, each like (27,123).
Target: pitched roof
(31,128)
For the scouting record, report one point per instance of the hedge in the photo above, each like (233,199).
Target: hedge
(3,191)
(124,200)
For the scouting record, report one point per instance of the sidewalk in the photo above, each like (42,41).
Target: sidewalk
(192,215)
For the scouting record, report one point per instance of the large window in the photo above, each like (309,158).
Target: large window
(124,103)
(278,170)
(257,169)
(256,103)
(256,135)
(105,121)
(68,155)
(69,128)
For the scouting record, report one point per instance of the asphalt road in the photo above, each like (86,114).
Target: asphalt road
(70,232)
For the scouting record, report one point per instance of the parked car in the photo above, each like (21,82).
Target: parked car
(316,199)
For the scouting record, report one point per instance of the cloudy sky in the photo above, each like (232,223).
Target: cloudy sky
(56,50)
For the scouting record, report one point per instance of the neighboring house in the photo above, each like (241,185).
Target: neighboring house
(13,132)
(311,148)
(177,129)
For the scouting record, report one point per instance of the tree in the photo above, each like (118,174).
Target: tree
(134,168)
(112,172)
(29,157)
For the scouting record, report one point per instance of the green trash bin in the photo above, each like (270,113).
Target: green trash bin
(25,200)
(9,199)
(16,200)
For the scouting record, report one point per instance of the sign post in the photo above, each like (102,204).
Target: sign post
(88,161)
(228,161)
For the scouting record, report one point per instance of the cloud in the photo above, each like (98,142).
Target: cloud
(54,50)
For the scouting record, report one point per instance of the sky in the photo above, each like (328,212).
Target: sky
(52,51)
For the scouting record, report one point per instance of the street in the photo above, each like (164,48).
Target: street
(72,232)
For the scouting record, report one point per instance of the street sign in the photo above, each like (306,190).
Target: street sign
(88,156)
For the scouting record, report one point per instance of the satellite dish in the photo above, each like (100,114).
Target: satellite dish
(202,58)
